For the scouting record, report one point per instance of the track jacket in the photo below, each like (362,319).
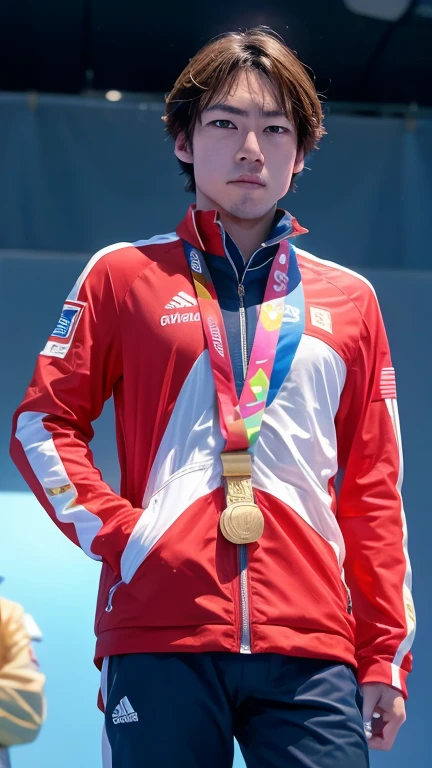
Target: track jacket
(330,577)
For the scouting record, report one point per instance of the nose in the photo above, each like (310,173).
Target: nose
(250,150)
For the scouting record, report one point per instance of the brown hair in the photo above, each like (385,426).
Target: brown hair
(214,69)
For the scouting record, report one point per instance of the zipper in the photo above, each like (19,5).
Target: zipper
(108,607)
(245,639)
(348,593)
(243,337)
(349,600)
(245,635)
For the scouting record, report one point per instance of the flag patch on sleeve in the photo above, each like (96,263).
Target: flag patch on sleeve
(388,384)
(61,338)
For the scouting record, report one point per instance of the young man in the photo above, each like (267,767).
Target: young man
(241,593)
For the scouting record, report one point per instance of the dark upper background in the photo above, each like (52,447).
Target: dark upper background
(134,45)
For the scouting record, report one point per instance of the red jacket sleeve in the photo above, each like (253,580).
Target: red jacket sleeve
(75,374)
(370,509)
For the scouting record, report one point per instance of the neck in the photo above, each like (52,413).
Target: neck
(248,234)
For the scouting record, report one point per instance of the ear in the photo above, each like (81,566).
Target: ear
(182,149)
(299,162)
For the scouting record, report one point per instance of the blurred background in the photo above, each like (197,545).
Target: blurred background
(84,162)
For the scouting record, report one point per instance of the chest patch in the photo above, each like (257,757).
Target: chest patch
(321,318)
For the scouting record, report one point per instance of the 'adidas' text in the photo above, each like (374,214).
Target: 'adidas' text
(176,317)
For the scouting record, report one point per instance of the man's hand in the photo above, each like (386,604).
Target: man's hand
(384,711)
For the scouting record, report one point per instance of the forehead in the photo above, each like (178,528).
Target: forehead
(248,88)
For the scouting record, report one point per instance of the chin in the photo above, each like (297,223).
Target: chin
(249,209)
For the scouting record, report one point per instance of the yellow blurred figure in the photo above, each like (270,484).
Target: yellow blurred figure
(22,701)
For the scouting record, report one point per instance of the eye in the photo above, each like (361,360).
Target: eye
(278,129)
(222,123)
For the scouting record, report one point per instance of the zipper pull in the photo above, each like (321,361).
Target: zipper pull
(109,606)
(241,290)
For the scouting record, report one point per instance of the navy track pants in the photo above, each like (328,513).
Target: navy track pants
(183,710)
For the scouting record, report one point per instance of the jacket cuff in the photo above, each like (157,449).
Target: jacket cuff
(382,671)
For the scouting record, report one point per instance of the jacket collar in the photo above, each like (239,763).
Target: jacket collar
(203,230)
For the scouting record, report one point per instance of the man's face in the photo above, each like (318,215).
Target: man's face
(244,150)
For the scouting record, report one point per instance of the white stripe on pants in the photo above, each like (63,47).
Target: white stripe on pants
(106,749)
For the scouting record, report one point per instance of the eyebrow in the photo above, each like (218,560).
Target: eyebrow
(244,112)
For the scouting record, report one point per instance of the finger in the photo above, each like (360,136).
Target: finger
(386,739)
(369,702)
(378,724)
(374,726)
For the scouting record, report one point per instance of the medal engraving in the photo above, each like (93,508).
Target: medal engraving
(242,523)
(239,490)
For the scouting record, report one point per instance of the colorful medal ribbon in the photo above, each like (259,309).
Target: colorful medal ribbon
(240,420)
(242,522)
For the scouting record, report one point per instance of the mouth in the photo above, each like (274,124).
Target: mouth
(249,179)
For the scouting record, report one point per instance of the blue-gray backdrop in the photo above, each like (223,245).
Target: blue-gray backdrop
(78,174)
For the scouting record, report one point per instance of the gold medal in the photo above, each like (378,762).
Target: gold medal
(242,522)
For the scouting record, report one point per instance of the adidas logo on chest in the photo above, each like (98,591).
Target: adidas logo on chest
(181,299)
